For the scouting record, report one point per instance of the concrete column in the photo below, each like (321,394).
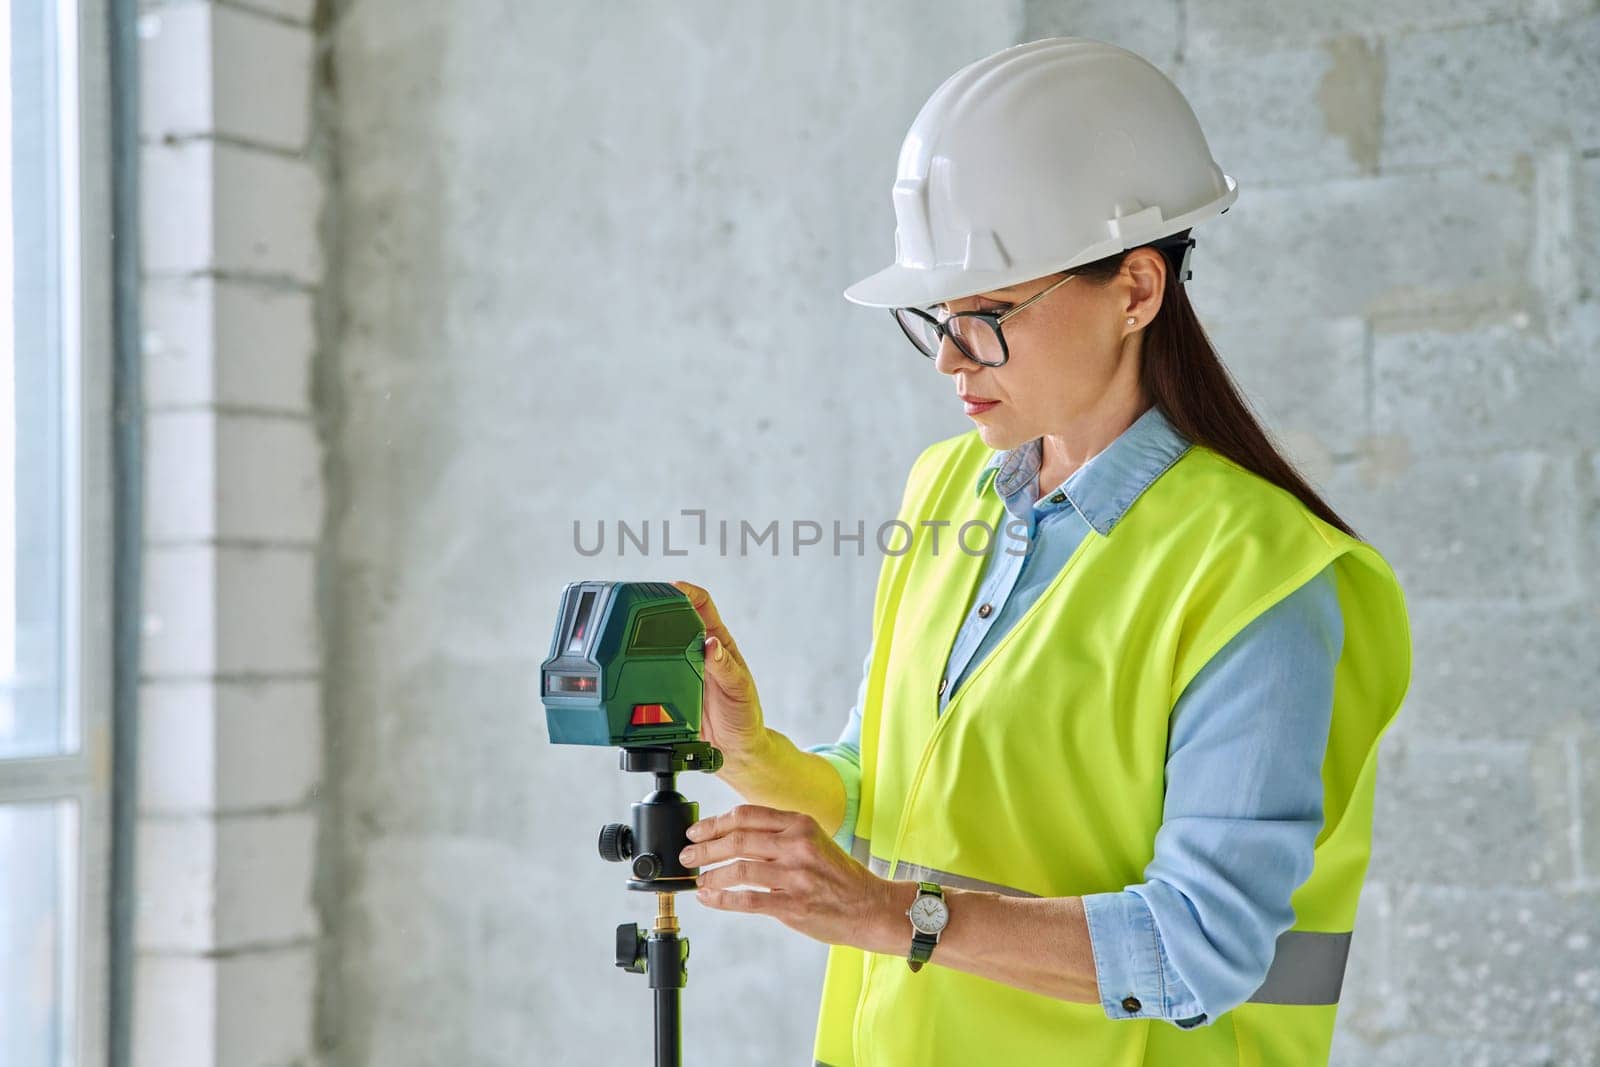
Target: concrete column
(230,734)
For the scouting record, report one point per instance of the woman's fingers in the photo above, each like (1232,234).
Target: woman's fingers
(730,710)
(729,674)
(736,844)
(762,874)
(789,870)
(701,601)
(746,817)
(748,831)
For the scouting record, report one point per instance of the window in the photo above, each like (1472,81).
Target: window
(53,699)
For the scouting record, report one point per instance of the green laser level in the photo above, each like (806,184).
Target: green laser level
(627,666)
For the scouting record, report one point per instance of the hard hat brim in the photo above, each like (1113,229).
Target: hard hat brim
(895,286)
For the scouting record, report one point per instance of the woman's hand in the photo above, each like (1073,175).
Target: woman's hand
(730,715)
(815,887)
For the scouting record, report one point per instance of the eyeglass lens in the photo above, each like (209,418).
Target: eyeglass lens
(975,336)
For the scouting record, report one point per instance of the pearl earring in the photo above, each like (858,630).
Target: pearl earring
(1132,320)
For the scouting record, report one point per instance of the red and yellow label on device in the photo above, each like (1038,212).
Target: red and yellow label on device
(652,715)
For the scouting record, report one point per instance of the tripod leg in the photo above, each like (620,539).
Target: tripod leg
(668,956)
(669,1032)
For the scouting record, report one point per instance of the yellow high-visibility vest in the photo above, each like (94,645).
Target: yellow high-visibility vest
(1045,775)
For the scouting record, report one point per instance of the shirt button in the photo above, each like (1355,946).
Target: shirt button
(1058,498)
(1131,1004)
(942,683)
(983,612)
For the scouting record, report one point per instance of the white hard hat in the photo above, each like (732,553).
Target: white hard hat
(1044,156)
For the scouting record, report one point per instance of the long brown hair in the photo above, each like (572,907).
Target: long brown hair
(1182,373)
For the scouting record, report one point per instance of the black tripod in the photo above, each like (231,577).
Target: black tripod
(652,843)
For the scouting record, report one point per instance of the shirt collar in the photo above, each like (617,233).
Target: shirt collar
(1104,488)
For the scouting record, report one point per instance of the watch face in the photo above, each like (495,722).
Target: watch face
(929,914)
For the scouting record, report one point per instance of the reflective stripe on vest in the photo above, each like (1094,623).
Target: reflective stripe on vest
(1307,966)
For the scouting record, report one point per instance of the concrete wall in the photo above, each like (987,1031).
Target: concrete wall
(588,265)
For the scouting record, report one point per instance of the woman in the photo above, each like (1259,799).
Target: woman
(1110,779)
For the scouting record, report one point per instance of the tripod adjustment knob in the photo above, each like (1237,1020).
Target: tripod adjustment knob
(631,948)
(616,842)
(646,866)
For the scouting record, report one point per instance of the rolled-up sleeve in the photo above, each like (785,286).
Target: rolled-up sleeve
(1242,812)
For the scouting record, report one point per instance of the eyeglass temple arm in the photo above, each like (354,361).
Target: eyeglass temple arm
(1052,287)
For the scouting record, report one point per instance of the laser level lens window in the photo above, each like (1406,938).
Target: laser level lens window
(572,683)
(580,621)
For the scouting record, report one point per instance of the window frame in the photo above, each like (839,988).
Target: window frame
(93,505)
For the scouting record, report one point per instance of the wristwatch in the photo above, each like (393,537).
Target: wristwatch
(929,916)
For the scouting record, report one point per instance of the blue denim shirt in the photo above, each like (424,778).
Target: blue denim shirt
(1243,802)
